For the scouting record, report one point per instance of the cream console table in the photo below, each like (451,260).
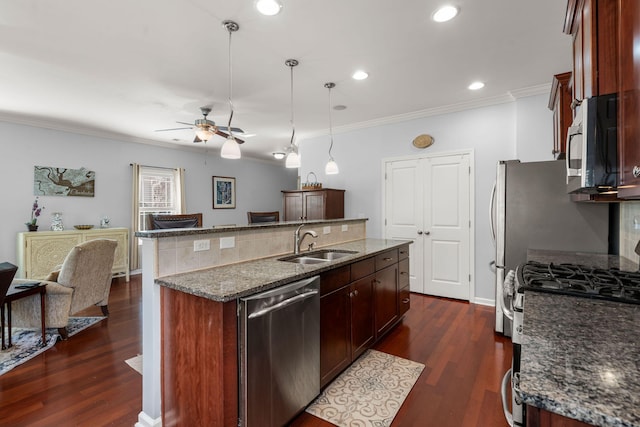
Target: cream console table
(41,251)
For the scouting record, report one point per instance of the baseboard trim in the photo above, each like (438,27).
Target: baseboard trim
(145,420)
(484,301)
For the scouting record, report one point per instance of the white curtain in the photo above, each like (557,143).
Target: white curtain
(134,262)
(180,189)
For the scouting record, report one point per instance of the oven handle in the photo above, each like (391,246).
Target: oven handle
(506,381)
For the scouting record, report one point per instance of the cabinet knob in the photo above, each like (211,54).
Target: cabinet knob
(636,171)
(355,293)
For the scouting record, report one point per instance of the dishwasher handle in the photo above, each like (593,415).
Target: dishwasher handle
(282,304)
(506,380)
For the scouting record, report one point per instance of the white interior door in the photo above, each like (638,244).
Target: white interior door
(447,227)
(428,201)
(403,194)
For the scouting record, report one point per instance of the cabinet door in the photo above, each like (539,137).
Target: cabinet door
(362,332)
(44,251)
(314,205)
(386,298)
(629,101)
(121,259)
(292,206)
(335,334)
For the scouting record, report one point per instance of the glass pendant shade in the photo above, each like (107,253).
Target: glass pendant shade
(268,7)
(293,160)
(230,149)
(204,134)
(331,168)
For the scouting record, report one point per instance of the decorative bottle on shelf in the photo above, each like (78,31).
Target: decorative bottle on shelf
(56,222)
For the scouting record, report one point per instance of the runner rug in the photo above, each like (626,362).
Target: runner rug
(27,343)
(369,393)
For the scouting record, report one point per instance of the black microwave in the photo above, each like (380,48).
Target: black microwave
(592,146)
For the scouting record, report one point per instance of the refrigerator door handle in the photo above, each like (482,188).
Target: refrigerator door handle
(492,214)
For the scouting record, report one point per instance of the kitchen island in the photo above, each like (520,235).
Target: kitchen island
(581,360)
(189,305)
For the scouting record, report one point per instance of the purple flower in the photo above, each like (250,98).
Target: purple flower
(35,212)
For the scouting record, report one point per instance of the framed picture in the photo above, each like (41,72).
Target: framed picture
(224,192)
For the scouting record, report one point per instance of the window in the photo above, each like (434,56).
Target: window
(159,193)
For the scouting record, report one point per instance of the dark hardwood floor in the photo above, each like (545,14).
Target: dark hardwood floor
(85,382)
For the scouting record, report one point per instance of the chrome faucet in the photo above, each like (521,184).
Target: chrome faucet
(297,239)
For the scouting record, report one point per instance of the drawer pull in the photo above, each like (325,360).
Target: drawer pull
(405,301)
(636,171)
(403,272)
(387,259)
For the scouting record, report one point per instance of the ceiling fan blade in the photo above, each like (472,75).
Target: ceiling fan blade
(162,130)
(196,139)
(226,135)
(226,129)
(185,123)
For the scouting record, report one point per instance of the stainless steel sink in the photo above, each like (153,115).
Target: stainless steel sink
(317,257)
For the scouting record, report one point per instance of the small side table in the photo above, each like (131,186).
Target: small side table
(15,293)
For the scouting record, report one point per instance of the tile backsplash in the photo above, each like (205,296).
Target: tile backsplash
(177,254)
(629,229)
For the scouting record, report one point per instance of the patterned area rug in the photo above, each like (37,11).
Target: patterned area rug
(369,393)
(27,343)
(135,363)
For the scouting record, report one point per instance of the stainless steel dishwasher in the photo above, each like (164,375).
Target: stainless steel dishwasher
(279,353)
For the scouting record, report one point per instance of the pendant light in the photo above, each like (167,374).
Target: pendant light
(293,158)
(230,148)
(332,167)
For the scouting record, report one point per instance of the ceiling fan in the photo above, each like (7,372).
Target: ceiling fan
(205,128)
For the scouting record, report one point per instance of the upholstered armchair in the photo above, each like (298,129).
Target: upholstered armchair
(84,279)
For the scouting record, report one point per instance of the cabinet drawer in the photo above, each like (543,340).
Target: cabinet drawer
(386,259)
(362,268)
(334,279)
(404,301)
(403,273)
(403,252)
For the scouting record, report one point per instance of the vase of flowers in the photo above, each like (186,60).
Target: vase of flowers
(36,210)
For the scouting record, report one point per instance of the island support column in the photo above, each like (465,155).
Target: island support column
(151,414)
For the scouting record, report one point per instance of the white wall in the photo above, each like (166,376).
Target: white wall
(494,133)
(258,183)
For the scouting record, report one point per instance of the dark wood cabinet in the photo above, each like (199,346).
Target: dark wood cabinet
(324,203)
(386,298)
(629,101)
(537,417)
(593,24)
(358,304)
(560,103)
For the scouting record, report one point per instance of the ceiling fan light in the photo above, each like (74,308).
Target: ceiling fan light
(293,160)
(204,134)
(230,149)
(268,7)
(279,155)
(331,168)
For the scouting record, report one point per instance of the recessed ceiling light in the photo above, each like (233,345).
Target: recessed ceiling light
(340,107)
(475,86)
(268,7)
(360,75)
(445,13)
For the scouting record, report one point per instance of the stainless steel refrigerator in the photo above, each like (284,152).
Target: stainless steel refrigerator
(530,209)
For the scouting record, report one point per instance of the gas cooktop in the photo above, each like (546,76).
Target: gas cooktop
(580,281)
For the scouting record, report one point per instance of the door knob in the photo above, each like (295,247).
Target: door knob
(427,232)
(419,232)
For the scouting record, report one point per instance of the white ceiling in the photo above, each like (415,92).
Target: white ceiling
(126,68)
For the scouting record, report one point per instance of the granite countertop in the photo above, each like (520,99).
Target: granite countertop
(604,261)
(581,358)
(228,282)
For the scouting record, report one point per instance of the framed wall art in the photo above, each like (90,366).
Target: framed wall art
(55,181)
(224,192)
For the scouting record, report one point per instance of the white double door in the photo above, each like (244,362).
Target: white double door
(428,200)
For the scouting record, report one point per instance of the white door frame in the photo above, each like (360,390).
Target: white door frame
(472,192)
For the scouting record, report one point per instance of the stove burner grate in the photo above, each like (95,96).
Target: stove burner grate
(579,280)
